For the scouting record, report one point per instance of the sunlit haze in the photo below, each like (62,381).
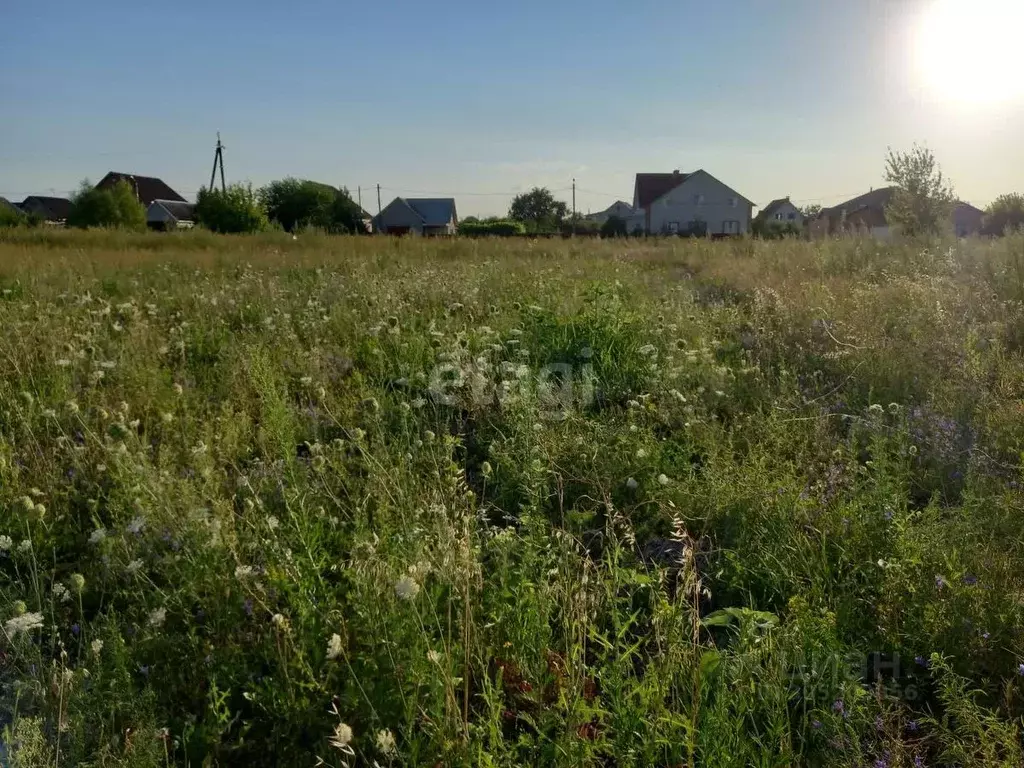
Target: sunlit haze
(484,100)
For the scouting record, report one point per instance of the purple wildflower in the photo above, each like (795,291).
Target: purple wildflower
(921,661)
(918,762)
(888,514)
(879,724)
(816,725)
(840,707)
(912,726)
(75,629)
(248,606)
(940,581)
(970,580)
(144,670)
(984,635)
(1020,670)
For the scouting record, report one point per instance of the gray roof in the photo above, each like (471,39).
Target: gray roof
(876,198)
(769,209)
(435,211)
(179,210)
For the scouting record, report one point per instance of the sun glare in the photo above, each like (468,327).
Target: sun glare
(969,51)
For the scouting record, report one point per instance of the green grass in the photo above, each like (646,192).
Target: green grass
(479,503)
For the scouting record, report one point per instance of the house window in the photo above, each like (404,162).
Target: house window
(791,217)
(698,199)
(673,227)
(733,202)
(778,217)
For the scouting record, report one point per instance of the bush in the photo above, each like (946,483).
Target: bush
(11,216)
(115,208)
(774,230)
(298,203)
(491,228)
(582,228)
(234,211)
(614,226)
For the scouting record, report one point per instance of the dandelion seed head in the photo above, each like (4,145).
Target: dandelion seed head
(406,588)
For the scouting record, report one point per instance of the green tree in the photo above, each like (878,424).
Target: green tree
(811,211)
(924,199)
(297,203)
(236,210)
(539,210)
(11,216)
(1005,213)
(117,207)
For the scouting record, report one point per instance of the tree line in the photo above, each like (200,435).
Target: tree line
(921,206)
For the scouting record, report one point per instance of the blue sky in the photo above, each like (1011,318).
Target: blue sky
(791,97)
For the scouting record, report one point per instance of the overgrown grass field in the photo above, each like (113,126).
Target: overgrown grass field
(363,502)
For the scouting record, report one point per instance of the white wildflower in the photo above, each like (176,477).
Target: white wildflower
(26,622)
(272,523)
(278,620)
(97,536)
(133,567)
(25,546)
(647,349)
(97,646)
(243,571)
(434,657)
(136,525)
(342,736)
(632,484)
(407,588)
(386,743)
(61,592)
(663,479)
(157,616)
(63,363)
(334,647)
(5,543)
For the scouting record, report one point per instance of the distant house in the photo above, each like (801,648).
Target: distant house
(780,212)
(862,215)
(418,216)
(147,188)
(54,210)
(619,209)
(669,203)
(170,214)
(866,215)
(967,220)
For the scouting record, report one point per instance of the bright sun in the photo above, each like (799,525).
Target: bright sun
(970,51)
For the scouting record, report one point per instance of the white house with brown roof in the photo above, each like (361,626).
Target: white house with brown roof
(690,203)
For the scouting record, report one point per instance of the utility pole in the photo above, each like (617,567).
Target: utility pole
(380,220)
(218,158)
(574,207)
(359,191)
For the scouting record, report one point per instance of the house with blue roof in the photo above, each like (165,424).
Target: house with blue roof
(430,216)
